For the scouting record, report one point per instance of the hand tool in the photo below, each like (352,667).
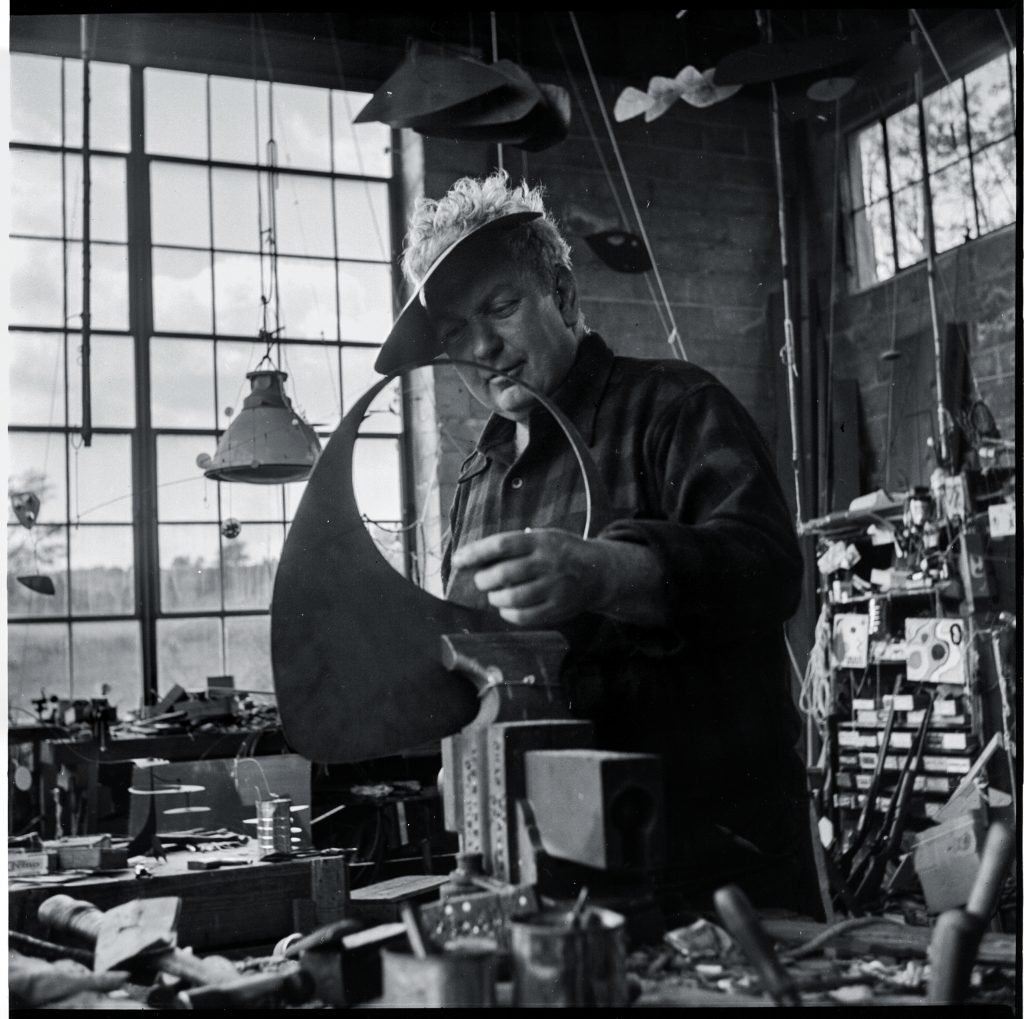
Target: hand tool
(958,932)
(740,920)
(142,932)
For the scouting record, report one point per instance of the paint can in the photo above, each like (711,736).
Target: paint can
(558,964)
(460,976)
(273,826)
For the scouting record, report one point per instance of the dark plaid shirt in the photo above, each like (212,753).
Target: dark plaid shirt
(689,476)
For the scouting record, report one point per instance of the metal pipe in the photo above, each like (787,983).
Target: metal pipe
(86,239)
(942,453)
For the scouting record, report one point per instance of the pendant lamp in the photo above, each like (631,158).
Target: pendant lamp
(268,443)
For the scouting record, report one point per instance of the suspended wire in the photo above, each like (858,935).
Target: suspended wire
(833,272)
(494,58)
(675,340)
(581,105)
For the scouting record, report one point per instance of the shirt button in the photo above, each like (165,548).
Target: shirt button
(517,482)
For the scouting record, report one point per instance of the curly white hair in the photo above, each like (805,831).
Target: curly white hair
(436,224)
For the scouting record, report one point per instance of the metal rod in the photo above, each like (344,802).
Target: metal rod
(942,453)
(788,352)
(86,239)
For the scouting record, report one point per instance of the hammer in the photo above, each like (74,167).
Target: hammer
(142,932)
(958,932)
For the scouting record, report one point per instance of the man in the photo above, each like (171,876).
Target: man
(674,610)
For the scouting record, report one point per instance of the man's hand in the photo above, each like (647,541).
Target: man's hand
(535,577)
(547,576)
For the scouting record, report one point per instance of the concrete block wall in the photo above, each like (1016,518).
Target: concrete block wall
(704,182)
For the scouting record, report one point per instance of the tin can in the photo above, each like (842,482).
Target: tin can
(558,964)
(273,826)
(459,977)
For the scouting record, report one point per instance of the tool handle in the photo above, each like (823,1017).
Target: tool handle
(65,915)
(952,951)
(740,920)
(196,970)
(996,858)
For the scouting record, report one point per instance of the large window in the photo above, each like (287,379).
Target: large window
(971,165)
(149,586)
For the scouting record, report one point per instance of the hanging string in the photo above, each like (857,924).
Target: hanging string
(581,106)
(833,271)
(674,339)
(494,58)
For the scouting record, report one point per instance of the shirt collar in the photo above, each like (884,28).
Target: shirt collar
(577,397)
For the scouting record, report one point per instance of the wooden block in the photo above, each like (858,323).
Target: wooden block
(381,902)
(329,888)
(597,807)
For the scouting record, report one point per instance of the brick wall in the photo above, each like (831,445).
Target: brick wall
(705,186)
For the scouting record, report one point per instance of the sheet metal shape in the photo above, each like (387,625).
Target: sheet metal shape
(355,647)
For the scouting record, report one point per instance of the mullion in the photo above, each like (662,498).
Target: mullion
(890,198)
(970,158)
(226,164)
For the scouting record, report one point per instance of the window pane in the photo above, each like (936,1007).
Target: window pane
(236,218)
(237,282)
(293,493)
(389,539)
(364,227)
(189,568)
(36,377)
(250,562)
(38,662)
(301,127)
(187,651)
(904,147)
(874,243)
(108,662)
(183,493)
(952,207)
(357,375)
(312,382)
(995,174)
(181,377)
(248,652)
(180,204)
(366,308)
(43,551)
(175,113)
(36,464)
(375,477)
(250,502)
(108,106)
(946,126)
(35,193)
(182,291)
(102,572)
(112,368)
(232,119)
(872,165)
(359,148)
(235,359)
(101,480)
(303,215)
(37,272)
(909,206)
(108,208)
(108,285)
(990,102)
(35,99)
(308,300)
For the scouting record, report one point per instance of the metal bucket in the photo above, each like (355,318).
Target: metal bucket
(556,964)
(455,978)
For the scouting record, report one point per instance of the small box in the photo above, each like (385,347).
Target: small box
(22,863)
(947,858)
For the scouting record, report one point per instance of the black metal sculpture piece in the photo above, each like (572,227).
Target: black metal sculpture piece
(356,647)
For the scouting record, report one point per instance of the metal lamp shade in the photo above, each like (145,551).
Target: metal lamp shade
(268,443)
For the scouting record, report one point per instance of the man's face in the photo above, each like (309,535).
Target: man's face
(488,309)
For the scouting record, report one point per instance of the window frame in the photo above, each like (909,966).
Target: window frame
(147,612)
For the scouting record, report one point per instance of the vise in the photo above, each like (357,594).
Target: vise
(523,780)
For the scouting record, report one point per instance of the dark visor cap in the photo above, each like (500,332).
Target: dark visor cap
(412,339)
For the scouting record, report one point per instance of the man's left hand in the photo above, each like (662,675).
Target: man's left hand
(537,578)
